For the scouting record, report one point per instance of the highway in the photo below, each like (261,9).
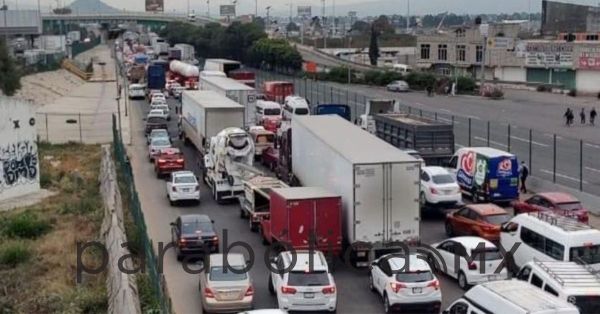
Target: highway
(353,293)
(523,110)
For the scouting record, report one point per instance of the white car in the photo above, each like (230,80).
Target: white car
(183,186)
(439,187)
(158,96)
(157,133)
(398,86)
(137,91)
(156,144)
(302,286)
(265,311)
(160,113)
(405,283)
(164,108)
(482,266)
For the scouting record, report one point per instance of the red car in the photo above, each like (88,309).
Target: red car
(560,203)
(481,220)
(270,158)
(168,160)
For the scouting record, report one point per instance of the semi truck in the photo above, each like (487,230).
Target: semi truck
(186,75)
(254,203)
(305,218)
(277,91)
(234,90)
(244,76)
(155,77)
(188,52)
(373,107)
(378,183)
(204,114)
(432,139)
(222,65)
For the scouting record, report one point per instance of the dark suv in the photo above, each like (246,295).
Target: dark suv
(194,234)
(155,123)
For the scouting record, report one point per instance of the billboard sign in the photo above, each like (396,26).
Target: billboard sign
(549,55)
(304,11)
(589,59)
(155,6)
(227,10)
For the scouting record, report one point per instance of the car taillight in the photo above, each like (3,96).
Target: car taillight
(288,290)
(180,161)
(208,293)
(161,161)
(434,284)
(329,290)
(584,217)
(181,242)
(433,191)
(396,286)
(174,189)
(472,266)
(249,292)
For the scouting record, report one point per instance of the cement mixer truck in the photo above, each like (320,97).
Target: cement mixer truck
(228,162)
(186,75)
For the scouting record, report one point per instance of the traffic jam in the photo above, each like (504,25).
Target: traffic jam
(319,187)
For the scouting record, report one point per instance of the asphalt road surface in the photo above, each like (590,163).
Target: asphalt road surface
(353,293)
(534,118)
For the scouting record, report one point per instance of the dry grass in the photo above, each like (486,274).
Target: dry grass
(47,282)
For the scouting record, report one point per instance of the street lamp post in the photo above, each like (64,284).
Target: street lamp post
(349,49)
(208,8)
(268,22)
(5,8)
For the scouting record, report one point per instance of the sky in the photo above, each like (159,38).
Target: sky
(364,7)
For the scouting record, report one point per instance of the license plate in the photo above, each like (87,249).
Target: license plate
(309,295)
(186,190)
(417,290)
(361,254)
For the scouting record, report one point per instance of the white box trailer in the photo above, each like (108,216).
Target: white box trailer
(223,65)
(206,113)
(187,52)
(379,184)
(234,90)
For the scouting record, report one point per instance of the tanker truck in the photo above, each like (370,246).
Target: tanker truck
(186,75)
(228,162)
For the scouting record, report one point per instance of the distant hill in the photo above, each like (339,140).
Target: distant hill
(91,7)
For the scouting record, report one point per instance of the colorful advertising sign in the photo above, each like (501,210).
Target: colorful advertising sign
(467,169)
(589,58)
(549,55)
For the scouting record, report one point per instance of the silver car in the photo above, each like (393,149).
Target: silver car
(398,86)
(157,133)
(226,290)
(156,145)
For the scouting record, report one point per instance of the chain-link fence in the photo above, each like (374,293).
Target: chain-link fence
(86,128)
(569,162)
(124,167)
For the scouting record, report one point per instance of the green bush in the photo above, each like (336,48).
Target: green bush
(147,293)
(420,81)
(466,85)
(92,301)
(13,253)
(24,225)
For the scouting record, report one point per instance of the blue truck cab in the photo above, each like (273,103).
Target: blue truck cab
(339,109)
(486,174)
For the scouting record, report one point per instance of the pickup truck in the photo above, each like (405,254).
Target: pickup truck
(254,203)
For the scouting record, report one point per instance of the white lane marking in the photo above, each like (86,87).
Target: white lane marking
(446,110)
(492,142)
(527,141)
(560,175)
(593,169)
(592,145)
(552,135)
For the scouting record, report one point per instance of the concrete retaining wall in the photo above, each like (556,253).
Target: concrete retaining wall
(121,287)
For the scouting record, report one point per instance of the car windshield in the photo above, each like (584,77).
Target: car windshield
(497,219)
(265,139)
(196,227)
(301,111)
(587,254)
(570,206)
(489,254)
(315,278)
(442,179)
(220,273)
(416,276)
(272,112)
(587,304)
(156,120)
(185,179)
(160,142)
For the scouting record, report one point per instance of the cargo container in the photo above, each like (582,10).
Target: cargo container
(432,139)
(254,203)
(339,109)
(174,54)
(187,51)
(161,48)
(156,77)
(277,90)
(243,76)
(74,36)
(222,65)
(305,218)
(240,93)
(378,183)
(204,114)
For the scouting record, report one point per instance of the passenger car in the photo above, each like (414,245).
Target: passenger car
(560,203)
(168,160)
(222,289)
(157,96)
(415,289)
(158,113)
(156,144)
(398,86)
(164,108)
(137,91)
(302,287)
(438,187)
(482,220)
(183,186)
(157,133)
(486,259)
(194,234)
(154,122)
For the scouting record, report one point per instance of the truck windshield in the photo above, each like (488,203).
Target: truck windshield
(301,111)
(587,254)
(272,112)
(443,179)
(300,278)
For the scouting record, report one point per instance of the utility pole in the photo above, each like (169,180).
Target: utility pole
(188,8)
(5,8)
(483,29)
(324,26)
(208,8)
(333,22)
(407,16)
(255,8)
(268,22)
(349,50)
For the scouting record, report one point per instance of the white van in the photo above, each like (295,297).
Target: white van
(267,109)
(137,91)
(295,106)
(575,283)
(550,237)
(510,297)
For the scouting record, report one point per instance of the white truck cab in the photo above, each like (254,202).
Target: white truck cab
(373,107)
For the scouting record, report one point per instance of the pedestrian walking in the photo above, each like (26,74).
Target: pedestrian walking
(523,174)
(567,117)
(571,117)
(593,115)
(582,115)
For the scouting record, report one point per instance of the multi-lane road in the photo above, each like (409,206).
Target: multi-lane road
(353,293)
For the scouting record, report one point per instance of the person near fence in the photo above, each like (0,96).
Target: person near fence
(582,115)
(568,117)
(523,174)
(593,115)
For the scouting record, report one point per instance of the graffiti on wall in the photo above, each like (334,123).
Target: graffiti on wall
(19,164)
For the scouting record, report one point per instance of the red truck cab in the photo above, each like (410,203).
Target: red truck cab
(168,160)
(278,90)
(301,215)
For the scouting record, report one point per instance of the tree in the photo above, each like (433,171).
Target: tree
(274,54)
(374,46)
(10,78)
(361,27)
(383,26)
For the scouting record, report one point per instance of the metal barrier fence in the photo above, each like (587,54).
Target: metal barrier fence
(568,162)
(124,167)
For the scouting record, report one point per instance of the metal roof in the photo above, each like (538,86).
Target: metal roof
(353,143)
(210,99)
(296,193)
(226,83)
